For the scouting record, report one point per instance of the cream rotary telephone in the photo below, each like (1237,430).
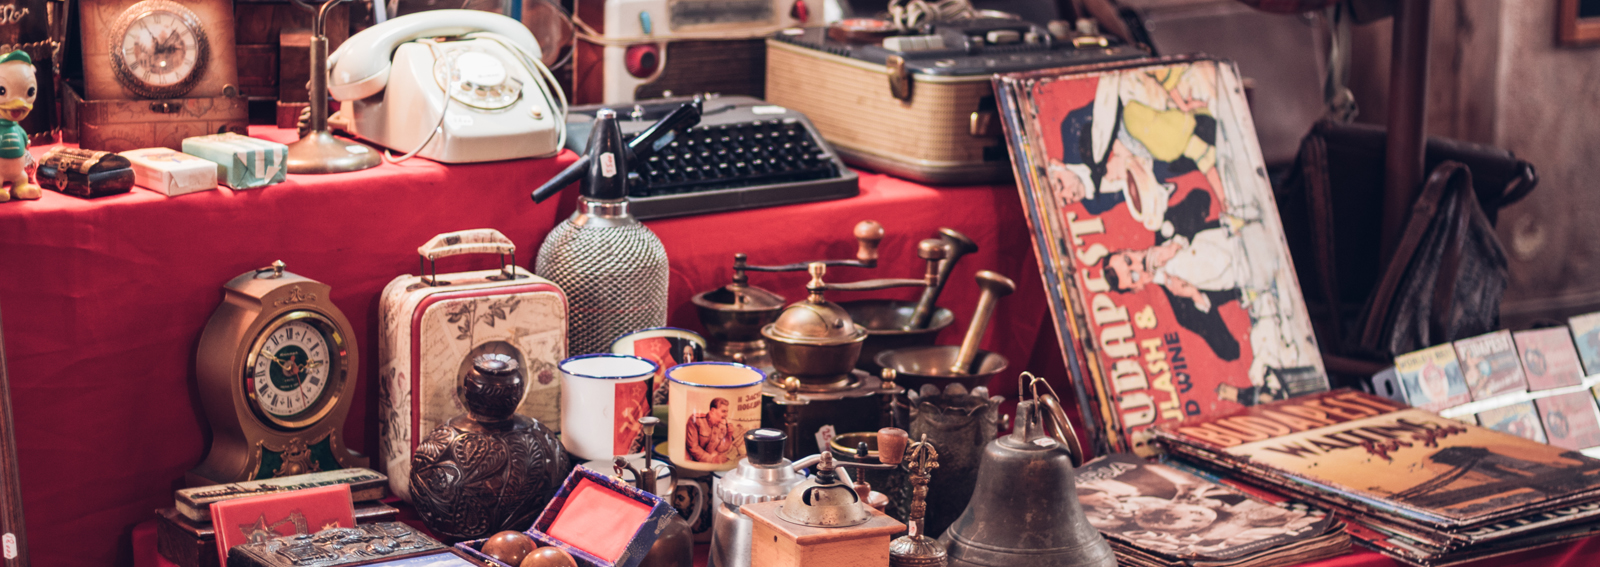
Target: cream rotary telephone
(502,101)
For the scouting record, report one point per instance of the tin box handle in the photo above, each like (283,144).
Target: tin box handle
(474,241)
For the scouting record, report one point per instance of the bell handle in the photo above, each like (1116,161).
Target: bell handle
(1057,425)
(868,234)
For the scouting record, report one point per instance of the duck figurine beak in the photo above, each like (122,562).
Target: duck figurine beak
(15,109)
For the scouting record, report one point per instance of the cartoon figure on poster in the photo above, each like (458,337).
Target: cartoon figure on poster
(1212,244)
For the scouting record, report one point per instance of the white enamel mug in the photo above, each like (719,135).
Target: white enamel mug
(602,398)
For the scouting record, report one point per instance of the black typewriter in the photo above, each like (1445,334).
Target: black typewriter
(745,153)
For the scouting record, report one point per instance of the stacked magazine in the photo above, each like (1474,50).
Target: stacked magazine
(1423,489)
(1156,515)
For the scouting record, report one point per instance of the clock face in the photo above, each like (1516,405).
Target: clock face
(293,370)
(159,49)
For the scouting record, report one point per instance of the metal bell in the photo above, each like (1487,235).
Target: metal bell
(1024,511)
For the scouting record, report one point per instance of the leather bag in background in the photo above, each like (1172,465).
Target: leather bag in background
(1330,208)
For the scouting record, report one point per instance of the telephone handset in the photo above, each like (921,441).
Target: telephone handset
(453,86)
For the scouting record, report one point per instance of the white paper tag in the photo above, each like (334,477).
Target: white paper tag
(608,164)
(768,109)
(10,544)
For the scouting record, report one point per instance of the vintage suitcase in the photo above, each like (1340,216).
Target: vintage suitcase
(433,324)
(932,117)
(122,125)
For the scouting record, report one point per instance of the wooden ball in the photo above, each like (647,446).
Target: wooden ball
(548,557)
(508,547)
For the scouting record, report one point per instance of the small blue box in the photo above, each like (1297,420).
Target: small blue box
(246,163)
(644,535)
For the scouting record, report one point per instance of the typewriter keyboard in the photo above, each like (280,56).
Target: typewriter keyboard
(743,154)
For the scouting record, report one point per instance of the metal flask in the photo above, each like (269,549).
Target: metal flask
(612,268)
(763,476)
(1025,511)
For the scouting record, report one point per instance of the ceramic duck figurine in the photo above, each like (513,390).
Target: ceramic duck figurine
(18,87)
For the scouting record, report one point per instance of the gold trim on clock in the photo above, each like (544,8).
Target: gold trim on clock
(332,390)
(124,73)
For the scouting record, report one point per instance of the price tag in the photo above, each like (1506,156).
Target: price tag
(608,164)
(9,543)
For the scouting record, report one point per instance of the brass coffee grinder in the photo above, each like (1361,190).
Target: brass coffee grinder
(816,342)
(734,314)
(893,324)
(1025,510)
(967,365)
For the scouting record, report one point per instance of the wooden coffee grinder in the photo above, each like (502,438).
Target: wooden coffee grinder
(825,520)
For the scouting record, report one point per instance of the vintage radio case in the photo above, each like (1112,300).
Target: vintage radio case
(433,324)
(923,114)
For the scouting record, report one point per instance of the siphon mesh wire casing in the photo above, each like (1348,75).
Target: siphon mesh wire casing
(615,279)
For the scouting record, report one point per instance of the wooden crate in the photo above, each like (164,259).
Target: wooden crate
(121,125)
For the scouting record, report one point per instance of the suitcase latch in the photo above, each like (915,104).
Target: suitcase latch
(982,122)
(166,107)
(899,78)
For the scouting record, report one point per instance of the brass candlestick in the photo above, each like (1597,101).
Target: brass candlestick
(915,549)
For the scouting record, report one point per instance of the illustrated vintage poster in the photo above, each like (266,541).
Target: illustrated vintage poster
(1489,363)
(1160,243)
(1163,510)
(1548,358)
(1437,466)
(1586,333)
(1432,378)
(1570,420)
(1520,419)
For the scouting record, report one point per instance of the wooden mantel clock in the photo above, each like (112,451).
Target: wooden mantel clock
(277,369)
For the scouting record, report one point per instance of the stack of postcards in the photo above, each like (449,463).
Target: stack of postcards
(1424,489)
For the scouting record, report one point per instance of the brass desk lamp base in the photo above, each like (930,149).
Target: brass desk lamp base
(320,152)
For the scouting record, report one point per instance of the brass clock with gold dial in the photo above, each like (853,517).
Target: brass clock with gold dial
(276,368)
(159,49)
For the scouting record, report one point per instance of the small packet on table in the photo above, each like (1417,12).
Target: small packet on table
(171,173)
(244,162)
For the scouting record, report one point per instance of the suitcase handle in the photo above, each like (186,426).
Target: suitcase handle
(475,241)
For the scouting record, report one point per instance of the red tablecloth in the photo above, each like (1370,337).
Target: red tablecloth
(104,302)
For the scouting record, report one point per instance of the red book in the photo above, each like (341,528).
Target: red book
(260,518)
